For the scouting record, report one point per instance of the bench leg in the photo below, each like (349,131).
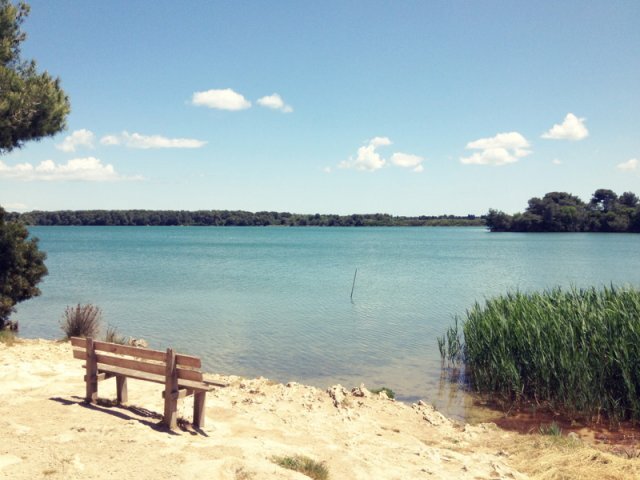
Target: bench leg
(199,399)
(121,389)
(171,391)
(91,390)
(91,377)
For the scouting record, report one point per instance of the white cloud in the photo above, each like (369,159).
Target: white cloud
(629,165)
(79,138)
(137,140)
(275,102)
(327,169)
(368,158)
(572,128)
(502,149)
(555,161)
(110,140)
(85,169)
(221,99)
(407,160)
(380,141)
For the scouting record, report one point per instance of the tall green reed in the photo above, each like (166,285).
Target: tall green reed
(576,351)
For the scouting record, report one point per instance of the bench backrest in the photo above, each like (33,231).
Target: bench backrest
(151,364)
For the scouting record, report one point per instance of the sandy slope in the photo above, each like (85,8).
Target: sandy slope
(46,431)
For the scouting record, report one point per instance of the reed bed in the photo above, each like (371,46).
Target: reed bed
(574,351)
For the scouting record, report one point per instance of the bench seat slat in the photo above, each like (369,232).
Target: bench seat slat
(150,377)
(199,386)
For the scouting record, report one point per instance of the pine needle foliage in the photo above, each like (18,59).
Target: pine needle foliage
(576,351)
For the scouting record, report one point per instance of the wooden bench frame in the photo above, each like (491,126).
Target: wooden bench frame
(179,373)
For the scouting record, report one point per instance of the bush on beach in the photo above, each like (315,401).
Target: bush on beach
(82,321)
(575,351)
(305,465)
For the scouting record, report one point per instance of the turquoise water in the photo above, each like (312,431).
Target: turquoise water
(276,301)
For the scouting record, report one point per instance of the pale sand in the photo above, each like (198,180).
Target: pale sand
(46,431)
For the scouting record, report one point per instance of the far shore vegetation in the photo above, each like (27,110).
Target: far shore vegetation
(554,212)
(219,218)
(574,352)
(563,212)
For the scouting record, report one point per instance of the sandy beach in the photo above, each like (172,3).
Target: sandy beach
(47,431)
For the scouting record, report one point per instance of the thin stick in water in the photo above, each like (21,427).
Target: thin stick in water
(354,284)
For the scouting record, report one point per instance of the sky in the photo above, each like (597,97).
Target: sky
(406,108)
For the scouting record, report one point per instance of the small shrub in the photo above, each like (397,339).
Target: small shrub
(553,430)
(113,336)
(7,337)
(304,465)
(82,321)
(390,393)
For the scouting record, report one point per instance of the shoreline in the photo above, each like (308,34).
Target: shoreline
(47,431)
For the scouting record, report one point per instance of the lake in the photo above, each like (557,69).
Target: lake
(277,302)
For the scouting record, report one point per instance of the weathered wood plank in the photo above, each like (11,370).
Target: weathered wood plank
(188,361)
(122,394)
(78,342)
(149,377)
(183,373)
(131,364)
(116,348)
(182,393)
(80,354)
(187,374)
(198,386)
(100,376)
(91,382)
(199,401)
(170,418)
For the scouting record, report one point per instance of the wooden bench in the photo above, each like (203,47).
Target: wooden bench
(179,373)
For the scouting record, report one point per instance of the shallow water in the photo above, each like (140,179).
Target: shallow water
(276,301)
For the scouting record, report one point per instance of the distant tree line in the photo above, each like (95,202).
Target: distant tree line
(234,218)
(563,212)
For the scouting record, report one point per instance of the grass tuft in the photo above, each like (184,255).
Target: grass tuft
(113,336)
(8,337)
(553,429)
(390,393)
(304,465)
(81,321)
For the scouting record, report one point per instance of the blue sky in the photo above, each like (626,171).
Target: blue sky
(406,108)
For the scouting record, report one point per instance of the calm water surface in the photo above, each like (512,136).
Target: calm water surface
(276,301)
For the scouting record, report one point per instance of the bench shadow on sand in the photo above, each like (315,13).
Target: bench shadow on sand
(146,417)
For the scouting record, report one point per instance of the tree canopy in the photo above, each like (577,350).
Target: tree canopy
(21,266)
(239,218)
(563,212)
(32,104)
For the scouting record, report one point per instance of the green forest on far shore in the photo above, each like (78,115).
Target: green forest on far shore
(563,212)
(555,212)
(234,218)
